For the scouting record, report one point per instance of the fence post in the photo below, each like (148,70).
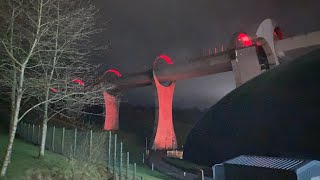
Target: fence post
(115,155)
(28,132)
(109,149)
(75,142)
(152,167)
(120,164)
(146,145)
(39,133)
(127,166)
(25,132)
(202,173)
(22,130)
(90,145)
(134,170)
(32,133)
(142,158)
(53,134)
(62,140)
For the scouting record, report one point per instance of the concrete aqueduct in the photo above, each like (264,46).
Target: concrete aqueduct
(245,56)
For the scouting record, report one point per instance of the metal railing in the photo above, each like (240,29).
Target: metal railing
(101,147)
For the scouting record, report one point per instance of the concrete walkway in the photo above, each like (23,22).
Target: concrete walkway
(163,167)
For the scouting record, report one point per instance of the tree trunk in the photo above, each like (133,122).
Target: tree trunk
(7,157)
(44,125)
(14,83)
(13,98)
(43,138)
(12,135)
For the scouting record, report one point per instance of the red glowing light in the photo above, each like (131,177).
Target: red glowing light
(166,58)
(244,39)
(53,90)
(81,83)
(115,72)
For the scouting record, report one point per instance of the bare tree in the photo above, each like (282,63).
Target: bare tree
(44,47)
(64,58)
(20,48)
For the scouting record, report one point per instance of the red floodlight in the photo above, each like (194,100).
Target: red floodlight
(81,83)
(166,58)
(115,72)
(244,39)
(53,90)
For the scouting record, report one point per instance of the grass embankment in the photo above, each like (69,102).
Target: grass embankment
(24,156)
(24,159)
(25,163)
(145,172)
(133,144)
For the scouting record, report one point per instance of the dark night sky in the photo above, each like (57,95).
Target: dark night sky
(142,29)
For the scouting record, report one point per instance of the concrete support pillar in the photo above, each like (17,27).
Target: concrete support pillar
(266,32)
(164,135)
(112,112)
(246,65)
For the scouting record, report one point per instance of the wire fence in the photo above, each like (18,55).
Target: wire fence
(101,147)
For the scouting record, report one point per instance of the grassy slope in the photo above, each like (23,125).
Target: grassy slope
(133,144)
(24,157)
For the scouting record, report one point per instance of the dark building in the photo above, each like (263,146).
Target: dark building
(275,114)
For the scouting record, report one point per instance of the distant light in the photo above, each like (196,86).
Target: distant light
(115,72)
(81,83)
(244,39)
(53,90)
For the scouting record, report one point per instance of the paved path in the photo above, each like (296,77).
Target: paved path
(160,165)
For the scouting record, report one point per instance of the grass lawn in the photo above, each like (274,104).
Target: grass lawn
(133,144)
(148,174)
(24,157)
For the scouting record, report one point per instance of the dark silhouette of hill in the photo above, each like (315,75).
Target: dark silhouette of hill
(274,114)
